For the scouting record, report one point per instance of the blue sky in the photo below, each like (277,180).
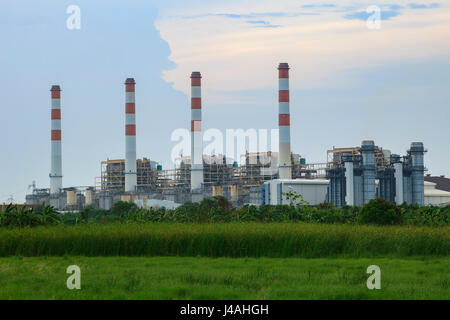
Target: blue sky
(348,83)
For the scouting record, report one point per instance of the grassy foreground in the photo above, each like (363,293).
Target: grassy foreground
(275,240)
(222,278)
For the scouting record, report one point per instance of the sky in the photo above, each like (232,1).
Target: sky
(348,82)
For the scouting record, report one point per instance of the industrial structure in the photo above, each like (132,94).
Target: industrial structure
(56,149)
(130,137)
(284,122)
(361,174)
(351,176)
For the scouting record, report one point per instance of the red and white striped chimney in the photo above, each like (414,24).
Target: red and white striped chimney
(196,132)
(285,170)
(130,136)
(56,157)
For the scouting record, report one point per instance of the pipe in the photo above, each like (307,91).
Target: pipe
(349,181)
(398,176)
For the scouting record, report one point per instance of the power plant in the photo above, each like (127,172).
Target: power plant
(360,175)
(350,176)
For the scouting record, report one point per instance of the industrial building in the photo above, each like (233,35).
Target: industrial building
(350,175)
(361,174)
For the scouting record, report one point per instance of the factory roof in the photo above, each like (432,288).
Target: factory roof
(442,183)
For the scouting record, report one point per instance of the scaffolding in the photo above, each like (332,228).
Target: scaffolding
(221,176)
(112,177)
(334,156)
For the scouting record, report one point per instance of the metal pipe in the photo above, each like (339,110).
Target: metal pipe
(398,175)
(349,181)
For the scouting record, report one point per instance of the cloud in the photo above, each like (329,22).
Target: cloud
(230,15)
(389,11)
(252,15)
(395,7)
(318,46)
(423,6)
(262,24)
(323,5)
(363,15)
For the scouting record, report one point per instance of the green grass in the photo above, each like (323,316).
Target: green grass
(223,278)
(275,240)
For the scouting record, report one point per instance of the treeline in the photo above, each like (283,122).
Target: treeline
(219,209)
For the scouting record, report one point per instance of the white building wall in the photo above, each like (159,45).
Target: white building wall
(313,191)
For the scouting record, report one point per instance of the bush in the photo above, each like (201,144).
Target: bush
(122,208)
(380,212)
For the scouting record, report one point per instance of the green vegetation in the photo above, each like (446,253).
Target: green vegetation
(219,209)
(133,253)
(226,240)
(222,278)
(380,212)
(13,216)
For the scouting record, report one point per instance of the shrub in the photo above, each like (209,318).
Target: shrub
(380,212)
(122,208)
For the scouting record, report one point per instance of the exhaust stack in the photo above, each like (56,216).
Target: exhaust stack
(285,170)
(196,132)
(56,150)
(417,165)
(130,136)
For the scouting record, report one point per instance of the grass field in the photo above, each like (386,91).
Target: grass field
(223,278)
(225,261)
(275,240)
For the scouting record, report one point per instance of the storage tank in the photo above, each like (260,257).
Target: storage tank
(71,198)
(89,197)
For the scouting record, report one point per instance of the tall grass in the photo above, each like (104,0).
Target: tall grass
(226,240)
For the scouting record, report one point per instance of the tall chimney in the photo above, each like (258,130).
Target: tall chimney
(417,165)
(196,132)
(130,136)
(368,170)
(56,161)
(285,171)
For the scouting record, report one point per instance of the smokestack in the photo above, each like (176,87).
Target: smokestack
(417,154)
(285,171)
(130,136)
(56,161)
(368,166)
(196,132)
